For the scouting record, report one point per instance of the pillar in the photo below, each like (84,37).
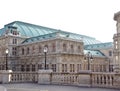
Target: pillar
(5,76)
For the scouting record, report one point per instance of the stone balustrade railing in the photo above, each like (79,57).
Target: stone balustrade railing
(94,79)
(103,79)
(65,78)
(71,79)
(24,77)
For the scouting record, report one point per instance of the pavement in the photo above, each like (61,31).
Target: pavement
(2,88)
(38,87)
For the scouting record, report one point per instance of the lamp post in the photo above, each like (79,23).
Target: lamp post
(89,57)
(45,51)
(6,52)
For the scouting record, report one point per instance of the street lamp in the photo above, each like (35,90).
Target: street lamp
(45,51)
(89,57)
(6,52)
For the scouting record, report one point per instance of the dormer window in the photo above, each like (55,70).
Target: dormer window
(13,30)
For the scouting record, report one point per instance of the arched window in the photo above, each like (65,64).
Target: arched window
(79,49)
(28,50)
(40,49)
(64,47)
(53,47)
(23,52)
(72,49)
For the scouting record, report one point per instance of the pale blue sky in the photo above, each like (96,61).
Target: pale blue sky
(88,17)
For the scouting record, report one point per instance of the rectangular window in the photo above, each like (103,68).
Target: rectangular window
(64,67)
(72,68)
(47,66)
(78,67)
(14,41)
(72,48)
(39,66)
(14,51)
(54,67)
(22,68)
(33,67)
(28,68)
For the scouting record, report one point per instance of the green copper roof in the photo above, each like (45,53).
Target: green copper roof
(94,53)
(30,30)
(34,31)
(87,40)
(99,46)
(2,31)
(39,38)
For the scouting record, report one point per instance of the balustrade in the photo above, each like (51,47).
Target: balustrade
(65,78)
(24,77)
(103,79)
(95,79)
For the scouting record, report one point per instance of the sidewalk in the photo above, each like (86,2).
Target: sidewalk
(38,87)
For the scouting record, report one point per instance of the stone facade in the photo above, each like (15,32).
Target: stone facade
(64,54)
